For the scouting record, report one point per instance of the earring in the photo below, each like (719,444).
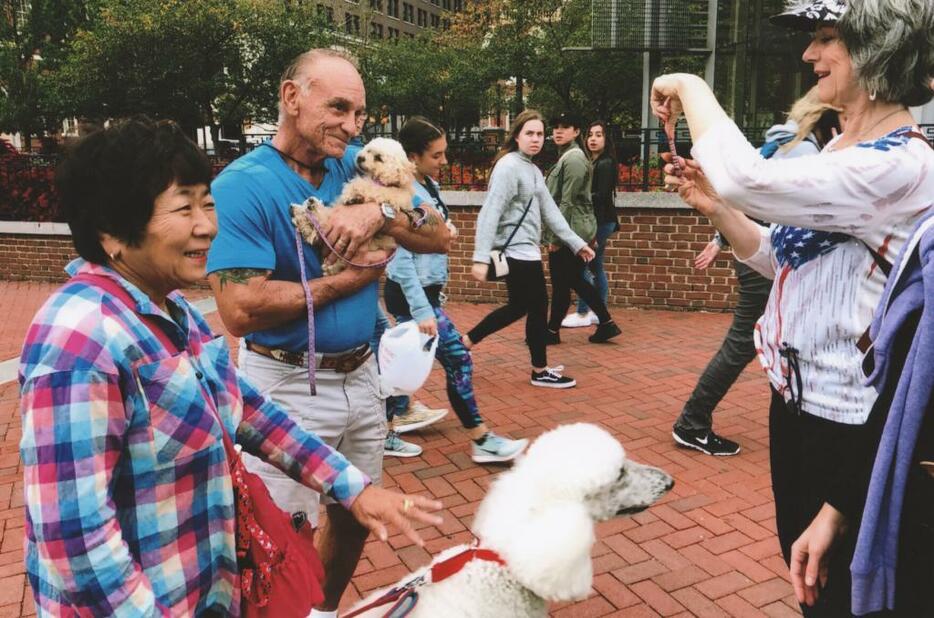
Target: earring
(872,95)
(114,255)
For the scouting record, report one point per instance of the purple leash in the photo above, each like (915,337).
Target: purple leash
(309,303)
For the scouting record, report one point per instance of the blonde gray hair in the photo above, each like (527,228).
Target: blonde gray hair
(891,44)
(806,113)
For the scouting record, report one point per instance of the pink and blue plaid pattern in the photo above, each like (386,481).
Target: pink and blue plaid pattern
(129,503)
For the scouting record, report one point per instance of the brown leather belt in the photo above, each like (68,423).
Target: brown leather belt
(341,363)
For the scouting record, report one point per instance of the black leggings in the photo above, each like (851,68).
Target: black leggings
(528,297)
(567,273)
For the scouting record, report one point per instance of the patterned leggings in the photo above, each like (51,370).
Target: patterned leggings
(458,369)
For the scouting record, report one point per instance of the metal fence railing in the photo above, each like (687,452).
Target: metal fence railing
(27,180)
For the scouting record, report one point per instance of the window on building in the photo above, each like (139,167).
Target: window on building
(458,5)
(326,13)
(392,33)
(446,5)
(352,23)
(392,8)
(377,5)
(408,13)
(376,30)
(422,18)
(446,24)
(435,21)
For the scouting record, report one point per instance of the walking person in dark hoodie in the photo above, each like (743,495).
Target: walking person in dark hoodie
(602,154)
(811,124)
(569,183)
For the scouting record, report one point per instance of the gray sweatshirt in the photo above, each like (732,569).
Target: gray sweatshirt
(515,179)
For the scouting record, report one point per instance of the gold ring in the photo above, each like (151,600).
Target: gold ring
(406,505)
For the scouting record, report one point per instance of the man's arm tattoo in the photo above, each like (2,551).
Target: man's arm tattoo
(239,275)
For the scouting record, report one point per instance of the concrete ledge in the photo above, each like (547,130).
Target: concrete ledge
(37,229)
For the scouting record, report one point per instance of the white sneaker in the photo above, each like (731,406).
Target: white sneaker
(417,415)
(496,448)
(397,447)
(579,320)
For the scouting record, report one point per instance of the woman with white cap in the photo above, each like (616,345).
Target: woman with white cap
(839,219)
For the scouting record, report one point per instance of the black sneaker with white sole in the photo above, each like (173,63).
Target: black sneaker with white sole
(705,441)
(551,378)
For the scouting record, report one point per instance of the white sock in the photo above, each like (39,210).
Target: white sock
(318,613)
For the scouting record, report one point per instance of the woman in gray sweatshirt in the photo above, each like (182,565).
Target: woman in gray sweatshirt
(517,185)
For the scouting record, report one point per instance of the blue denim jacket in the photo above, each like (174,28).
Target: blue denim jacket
(414,271)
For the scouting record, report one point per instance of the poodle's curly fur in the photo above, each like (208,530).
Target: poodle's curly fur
(386,175)
(539,517)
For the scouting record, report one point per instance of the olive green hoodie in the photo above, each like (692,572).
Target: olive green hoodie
(569,184)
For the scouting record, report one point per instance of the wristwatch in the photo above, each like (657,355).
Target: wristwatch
(389,213)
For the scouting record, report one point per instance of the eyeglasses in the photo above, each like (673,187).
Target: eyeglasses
(792,374)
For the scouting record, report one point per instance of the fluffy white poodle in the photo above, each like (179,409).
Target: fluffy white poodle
(538,518)
(386,175)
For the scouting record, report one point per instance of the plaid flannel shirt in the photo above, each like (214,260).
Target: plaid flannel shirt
(129,502)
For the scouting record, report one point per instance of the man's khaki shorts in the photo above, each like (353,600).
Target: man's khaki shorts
(348,413)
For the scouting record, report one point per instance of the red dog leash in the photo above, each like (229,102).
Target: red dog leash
(405,597)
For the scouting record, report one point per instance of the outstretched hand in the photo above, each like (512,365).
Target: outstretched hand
(376,508)
(706,257)
(692,185)
(810,554)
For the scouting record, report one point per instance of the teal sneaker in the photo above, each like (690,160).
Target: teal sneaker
(397,447)
(495,448)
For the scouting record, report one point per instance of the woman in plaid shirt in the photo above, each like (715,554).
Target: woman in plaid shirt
(129,502)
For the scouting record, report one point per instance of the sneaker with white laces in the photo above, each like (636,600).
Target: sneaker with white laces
(551,378)
(578,320)
(417,415)
(705,441)
(397,447)
(496,448)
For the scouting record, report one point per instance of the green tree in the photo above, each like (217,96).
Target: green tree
(526,43)
(426,75)
(33,42)
(204,63)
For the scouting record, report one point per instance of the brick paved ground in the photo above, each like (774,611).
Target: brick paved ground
(708,549)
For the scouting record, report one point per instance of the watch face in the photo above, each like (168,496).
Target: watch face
(388,211)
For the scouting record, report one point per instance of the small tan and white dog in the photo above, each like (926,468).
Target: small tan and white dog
(535,529)
(386,175)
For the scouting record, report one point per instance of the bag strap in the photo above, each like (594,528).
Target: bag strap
(519,224)
(920,136)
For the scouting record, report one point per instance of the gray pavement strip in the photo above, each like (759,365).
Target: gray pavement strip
(9,367)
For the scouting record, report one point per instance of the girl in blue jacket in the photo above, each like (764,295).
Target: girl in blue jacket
(413,291)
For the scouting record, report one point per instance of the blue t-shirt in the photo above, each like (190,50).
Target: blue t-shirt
(253,196)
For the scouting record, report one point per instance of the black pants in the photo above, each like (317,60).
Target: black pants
(807,454)
(734,354)
(567,273)
(528,297)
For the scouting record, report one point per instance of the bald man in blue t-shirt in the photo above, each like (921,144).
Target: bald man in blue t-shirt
(254,272)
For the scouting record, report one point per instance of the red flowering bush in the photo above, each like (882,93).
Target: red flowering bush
(27,191)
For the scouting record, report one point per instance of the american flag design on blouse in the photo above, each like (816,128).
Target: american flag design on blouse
(796,246)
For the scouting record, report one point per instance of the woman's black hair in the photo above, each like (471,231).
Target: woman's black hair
(109,181)
(609,148)
(417,134)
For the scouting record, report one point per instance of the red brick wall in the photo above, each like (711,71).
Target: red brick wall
(649,261)
(27,257)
